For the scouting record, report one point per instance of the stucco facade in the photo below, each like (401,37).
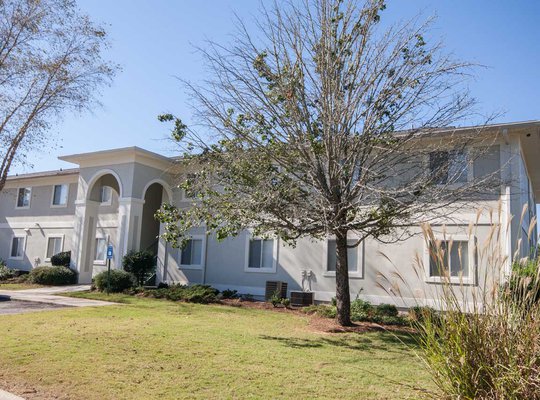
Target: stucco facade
(139,181)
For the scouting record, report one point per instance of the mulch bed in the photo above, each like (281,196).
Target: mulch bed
(317,323)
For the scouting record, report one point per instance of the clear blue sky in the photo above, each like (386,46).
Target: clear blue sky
(153,42)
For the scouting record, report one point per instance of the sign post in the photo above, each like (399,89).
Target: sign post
(109,258)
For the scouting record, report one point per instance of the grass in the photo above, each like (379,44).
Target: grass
(147,348)
(19,286)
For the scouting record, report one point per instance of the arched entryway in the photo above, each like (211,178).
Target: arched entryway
(98,224)
(155,194)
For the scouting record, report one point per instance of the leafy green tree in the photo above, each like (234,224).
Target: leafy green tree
(317,125)
(142,264)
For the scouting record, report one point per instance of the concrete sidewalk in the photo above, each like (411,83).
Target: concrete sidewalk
(8,396)
(49,295)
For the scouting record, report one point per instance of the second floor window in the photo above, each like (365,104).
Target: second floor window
(23,197)
(60,195)
(106,195)
(448,166)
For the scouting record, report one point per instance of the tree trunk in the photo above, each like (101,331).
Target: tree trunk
(343,296)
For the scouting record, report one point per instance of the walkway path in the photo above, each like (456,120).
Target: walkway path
(48,295)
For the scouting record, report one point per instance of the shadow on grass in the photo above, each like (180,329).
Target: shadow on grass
(389,342)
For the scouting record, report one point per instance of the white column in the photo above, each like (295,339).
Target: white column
(162,256)
(82,242)
(130,212)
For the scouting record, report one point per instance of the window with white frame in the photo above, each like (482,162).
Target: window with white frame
(60,195)
(54,246)
(192,254)
(261,254)
(449,166)
(23,197)
(101,250)
(353,258)
(106,195)
(17,247)
(451,259)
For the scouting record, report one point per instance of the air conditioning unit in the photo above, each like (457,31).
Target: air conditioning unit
(302,299)
(273,286)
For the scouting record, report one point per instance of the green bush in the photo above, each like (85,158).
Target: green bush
(286,303)
(275,299)
(52,276)
(119,281)
(142,264)
(229,294)
(5,272)
(193,294)
(322,310)
(361,309)
(524,282)
(62,259)
(386,310)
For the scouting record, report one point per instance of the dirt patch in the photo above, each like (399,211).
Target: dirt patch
(26,390)
(316,323)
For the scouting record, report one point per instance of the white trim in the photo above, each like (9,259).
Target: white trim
(23,237)
(99,174)
(454,280)
(17,198)
(165,186)
(52,196)
(275,254)
(203,255)
(57,236)
(359,273)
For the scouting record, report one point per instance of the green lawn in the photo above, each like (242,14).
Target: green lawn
(147,349)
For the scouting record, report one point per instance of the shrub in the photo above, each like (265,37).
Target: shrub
(193,294)
(321,310)
(142,264)
(275,299)
(162,285)
(5,272)
(286,303)
(52,276)
(229,294)
(61,259)
(361,309)
(119,281)
(419,314)
(386,310)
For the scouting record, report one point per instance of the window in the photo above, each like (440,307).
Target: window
(101,250)
(451,259)
(192,255)
(354,260)
(60,195)
(106,195)
(17,248)
(23,197)
(260,255)
(54,246)
(449,166)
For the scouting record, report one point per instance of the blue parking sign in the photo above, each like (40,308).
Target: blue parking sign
(109,252)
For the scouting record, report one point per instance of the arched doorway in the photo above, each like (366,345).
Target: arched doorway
(155,194)
(99,225)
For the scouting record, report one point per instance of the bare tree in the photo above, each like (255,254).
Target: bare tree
(50,62)
(325,124)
